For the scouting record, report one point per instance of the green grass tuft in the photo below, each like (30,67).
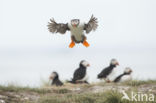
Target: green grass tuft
(139,82)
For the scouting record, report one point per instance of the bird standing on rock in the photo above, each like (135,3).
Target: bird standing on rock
(76,28)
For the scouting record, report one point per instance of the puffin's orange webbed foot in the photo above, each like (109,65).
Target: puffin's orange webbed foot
(72,44)
(86,44)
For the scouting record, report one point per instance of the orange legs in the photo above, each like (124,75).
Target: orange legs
(85,43)
(72,44)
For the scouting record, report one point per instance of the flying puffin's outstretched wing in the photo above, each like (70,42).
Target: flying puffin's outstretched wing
(57,27)
(91,25)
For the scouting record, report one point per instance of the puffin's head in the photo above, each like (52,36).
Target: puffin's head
(75,22)
(114,62)
(84,63)
(53,75)
(128,70)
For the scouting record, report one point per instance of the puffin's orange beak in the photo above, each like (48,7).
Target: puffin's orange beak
(88,65)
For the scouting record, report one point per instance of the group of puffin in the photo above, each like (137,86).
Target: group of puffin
(80,74)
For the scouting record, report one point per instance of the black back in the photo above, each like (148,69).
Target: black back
(56,81)
(79,73)
(106,71)
(118,78)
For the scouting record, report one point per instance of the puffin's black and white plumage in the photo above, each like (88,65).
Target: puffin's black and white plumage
(55,79)
(126,75)
(80,74)
(108,70)
(76,28)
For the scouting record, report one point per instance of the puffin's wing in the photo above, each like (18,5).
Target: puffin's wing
(57,27)
(104,73)
(59,83)
(78,75)
(117,79)
(91,25)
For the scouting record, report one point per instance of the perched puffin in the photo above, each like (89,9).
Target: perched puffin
(80,74)
(108,70)
(126,75)
(55,79)
(76,28)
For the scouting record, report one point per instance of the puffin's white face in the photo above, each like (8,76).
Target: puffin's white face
(53,75)
(75,22)
(127,70)
(85,63)
(114,62)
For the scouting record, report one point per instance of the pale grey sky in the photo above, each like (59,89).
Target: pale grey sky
(126,31)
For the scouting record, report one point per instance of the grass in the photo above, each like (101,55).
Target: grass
(133,83)
(104,97)
(139,82)
(64,94)
(13,88)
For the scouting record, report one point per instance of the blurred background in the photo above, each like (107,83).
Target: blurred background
(29,52)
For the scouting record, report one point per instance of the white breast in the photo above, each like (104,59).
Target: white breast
(111,75)
(85,78)
(126,78)
(77,32)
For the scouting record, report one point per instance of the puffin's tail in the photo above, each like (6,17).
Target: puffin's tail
(99,76)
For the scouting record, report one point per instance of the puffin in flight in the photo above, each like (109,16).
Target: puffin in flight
(80,74)
(76,28)
(55,79)
(125,76)
(108,70)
